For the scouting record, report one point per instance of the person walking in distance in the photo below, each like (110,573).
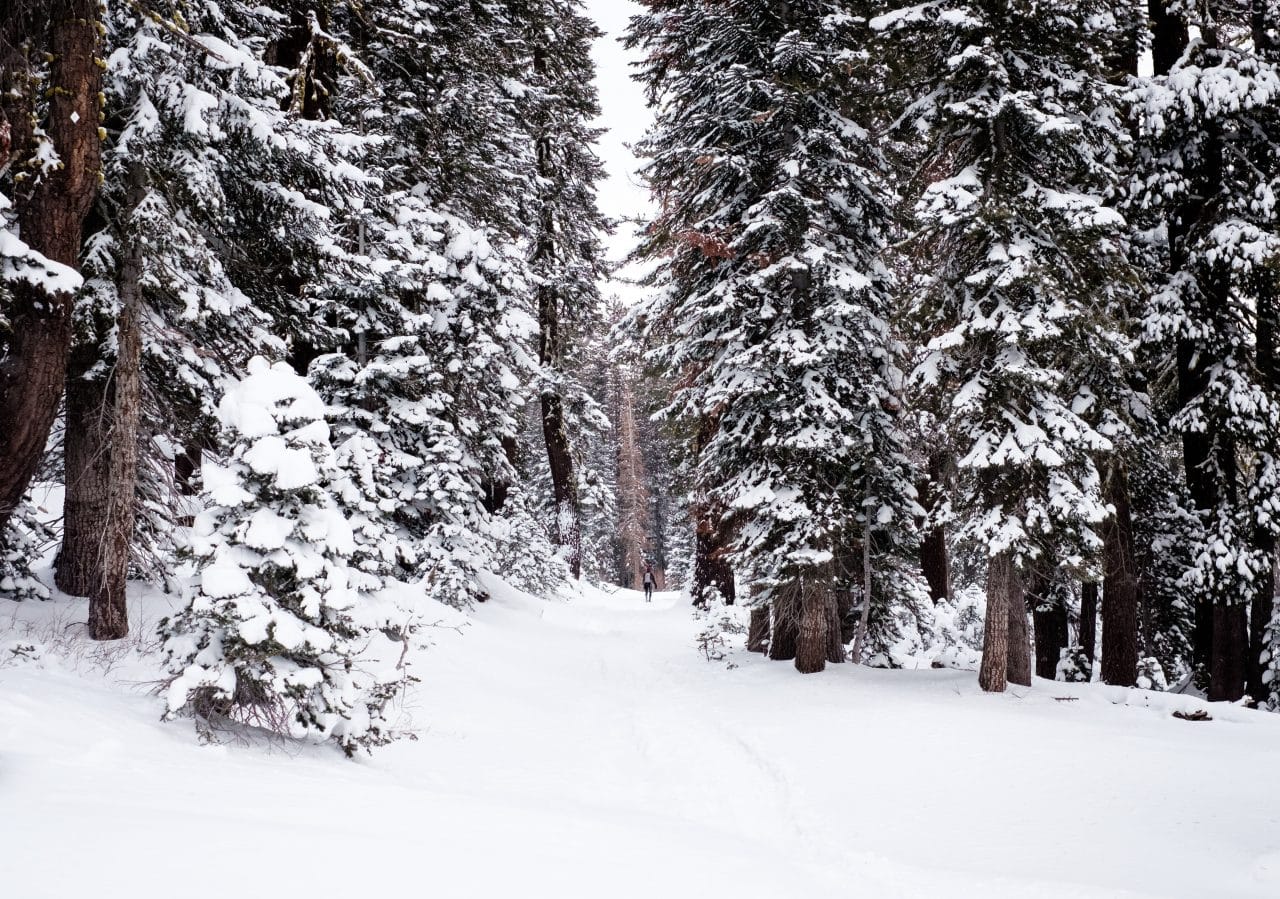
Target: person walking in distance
(648,581)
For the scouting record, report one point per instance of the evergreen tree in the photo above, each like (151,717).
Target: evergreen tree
(1028,274)
(276,634)
(1210,136)
(774,313)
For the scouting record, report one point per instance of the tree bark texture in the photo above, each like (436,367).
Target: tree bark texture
(995,637)
(758,631)
(1018,666)
(1089,619)
(108,609)
(786,627)
(816,605)
(51,209)
(1119,587)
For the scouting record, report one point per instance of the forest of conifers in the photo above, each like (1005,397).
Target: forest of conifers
(305,315)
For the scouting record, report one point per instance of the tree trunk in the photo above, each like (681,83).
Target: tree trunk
(995,637)
(108,609)
(1228,670)
(1018,666)
(1089,621)
(1119,587)
(566,530)
(758,632)
(812,639)
(786,627)
(711,568)
(87,462)
(1049,614)
(934,561)
(51,220)
(835,643)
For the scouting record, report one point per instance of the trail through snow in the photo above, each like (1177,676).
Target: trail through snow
(582,747)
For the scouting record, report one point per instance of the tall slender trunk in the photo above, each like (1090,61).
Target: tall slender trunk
(1049,614)
(108,611)
(995,637)
(51,217)
(1089,620)
(566,530)
(87,464)
(1119,587)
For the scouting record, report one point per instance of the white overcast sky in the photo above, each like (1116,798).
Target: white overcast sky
(624,115)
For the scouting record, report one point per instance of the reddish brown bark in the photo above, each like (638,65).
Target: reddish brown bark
(51,207)
(995,638)
(1018,665)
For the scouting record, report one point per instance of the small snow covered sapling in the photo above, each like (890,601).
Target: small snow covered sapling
(276,635)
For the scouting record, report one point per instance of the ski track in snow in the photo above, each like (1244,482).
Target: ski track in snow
(582,747)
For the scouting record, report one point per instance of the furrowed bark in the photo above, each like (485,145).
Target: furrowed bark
(1018,665)
(995,638)
(51,214)
(1089,619)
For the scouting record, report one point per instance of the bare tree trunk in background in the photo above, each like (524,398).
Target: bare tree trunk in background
(711,540)
(995,637)
(108,610)
(758,632)
(1018,665)
(1089,621)
(864,615)
(635,525)
(51,217)
(935,563)
(835,641)
(1119,587)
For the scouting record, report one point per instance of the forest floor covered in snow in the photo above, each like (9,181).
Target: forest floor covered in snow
(583,747)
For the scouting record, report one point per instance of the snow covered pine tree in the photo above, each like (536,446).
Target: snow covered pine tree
(276,635)
(1028,271)
(773,313)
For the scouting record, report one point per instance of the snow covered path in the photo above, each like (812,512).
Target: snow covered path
(584,748)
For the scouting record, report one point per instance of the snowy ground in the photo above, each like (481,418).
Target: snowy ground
(582,748)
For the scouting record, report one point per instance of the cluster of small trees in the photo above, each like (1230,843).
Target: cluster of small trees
(390,207)
(997,278)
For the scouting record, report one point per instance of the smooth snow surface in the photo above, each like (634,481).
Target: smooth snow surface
(582,747)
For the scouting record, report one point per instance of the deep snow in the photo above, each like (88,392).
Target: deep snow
(582,747)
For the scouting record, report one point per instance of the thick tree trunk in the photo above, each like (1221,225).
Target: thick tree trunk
(1018,666)
(812,641)
(835,643)
(1089,620)
(87,461)
(786,627)
(1228,670)
(934,561)
(1119,587)
(995,639)
(1049,615)
(51,218)
(758,632)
